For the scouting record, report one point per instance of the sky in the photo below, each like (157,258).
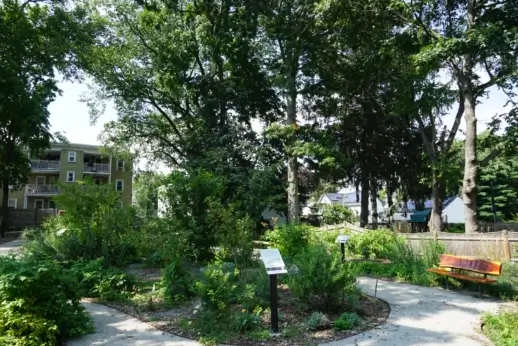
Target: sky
(70,116)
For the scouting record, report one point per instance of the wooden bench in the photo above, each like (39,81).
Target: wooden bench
(457,266)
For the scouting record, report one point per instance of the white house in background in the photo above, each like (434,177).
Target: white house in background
(452,210)
(349,199)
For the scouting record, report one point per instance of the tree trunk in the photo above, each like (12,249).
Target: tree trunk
(374,203)
(435,223)
(5,206)
(469,185)
(293,179)
(390,204)
(364,200)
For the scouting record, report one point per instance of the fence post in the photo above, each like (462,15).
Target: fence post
(507,247)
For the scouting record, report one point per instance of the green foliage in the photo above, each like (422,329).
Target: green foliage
(234,232)
(177,281)
(377,243)
(159,241)
(406,264)
(321,278)
(39,303)
(145,193)
(502,327)
(333,214)
(93,226)
(347,320)
(500,180)
(318,321)
(289,239)
(95,280)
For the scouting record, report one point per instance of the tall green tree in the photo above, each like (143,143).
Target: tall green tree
(290,38)
(476,41)
(35,39)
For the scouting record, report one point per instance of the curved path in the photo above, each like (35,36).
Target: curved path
(419,316)
(425,316)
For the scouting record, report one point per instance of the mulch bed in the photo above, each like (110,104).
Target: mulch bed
(373,312)
(10,237)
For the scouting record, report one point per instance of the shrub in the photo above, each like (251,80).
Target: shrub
(93,226)
(377,243)
(39,303)
(223,289)
(321,279)
(106,283)
(234,232)
(333,214)
(289,239)
(318,321)
(177,281)
(502,327)
(347,320)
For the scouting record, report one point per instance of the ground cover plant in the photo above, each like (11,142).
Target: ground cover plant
(502,327)
(382,253)
(227,301)
(39,303)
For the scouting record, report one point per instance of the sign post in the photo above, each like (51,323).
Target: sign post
(342,239)
(274,265)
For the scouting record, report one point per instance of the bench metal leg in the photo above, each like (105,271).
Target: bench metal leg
(447,284)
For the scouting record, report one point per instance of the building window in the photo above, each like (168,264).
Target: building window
(52,204)
(38,204)
(119,185)
(120,165)
(40,180)
(71,156)
(12,202)
(71,176)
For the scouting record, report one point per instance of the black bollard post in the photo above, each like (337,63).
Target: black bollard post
(273,303)
(342,249)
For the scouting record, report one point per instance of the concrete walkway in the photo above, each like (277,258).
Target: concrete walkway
(419,316)
(10,247)
(424,316)
(114,328)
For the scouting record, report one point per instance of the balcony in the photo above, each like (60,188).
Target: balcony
(41,190)
(44,165)
(97,168)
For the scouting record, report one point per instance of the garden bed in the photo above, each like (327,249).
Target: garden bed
(293,321)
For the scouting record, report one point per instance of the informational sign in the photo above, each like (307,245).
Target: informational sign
(342,239)
(273,261)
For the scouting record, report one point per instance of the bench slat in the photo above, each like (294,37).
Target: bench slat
(461,276)
(480,266)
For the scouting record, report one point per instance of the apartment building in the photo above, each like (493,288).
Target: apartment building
(68,163)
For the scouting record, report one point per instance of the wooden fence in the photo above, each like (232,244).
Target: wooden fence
(499,226)
(501,246)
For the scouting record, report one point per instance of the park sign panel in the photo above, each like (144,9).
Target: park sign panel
(273,262)
(342,239)
(274,265)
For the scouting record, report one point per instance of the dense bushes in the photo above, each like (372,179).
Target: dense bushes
(378,243)
(333,214)
(39,303)
(93,226)
(321,278)
(289,239)
(96,281)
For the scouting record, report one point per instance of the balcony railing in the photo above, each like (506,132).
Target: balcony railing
(97,168)
(45,165)
(41,189)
